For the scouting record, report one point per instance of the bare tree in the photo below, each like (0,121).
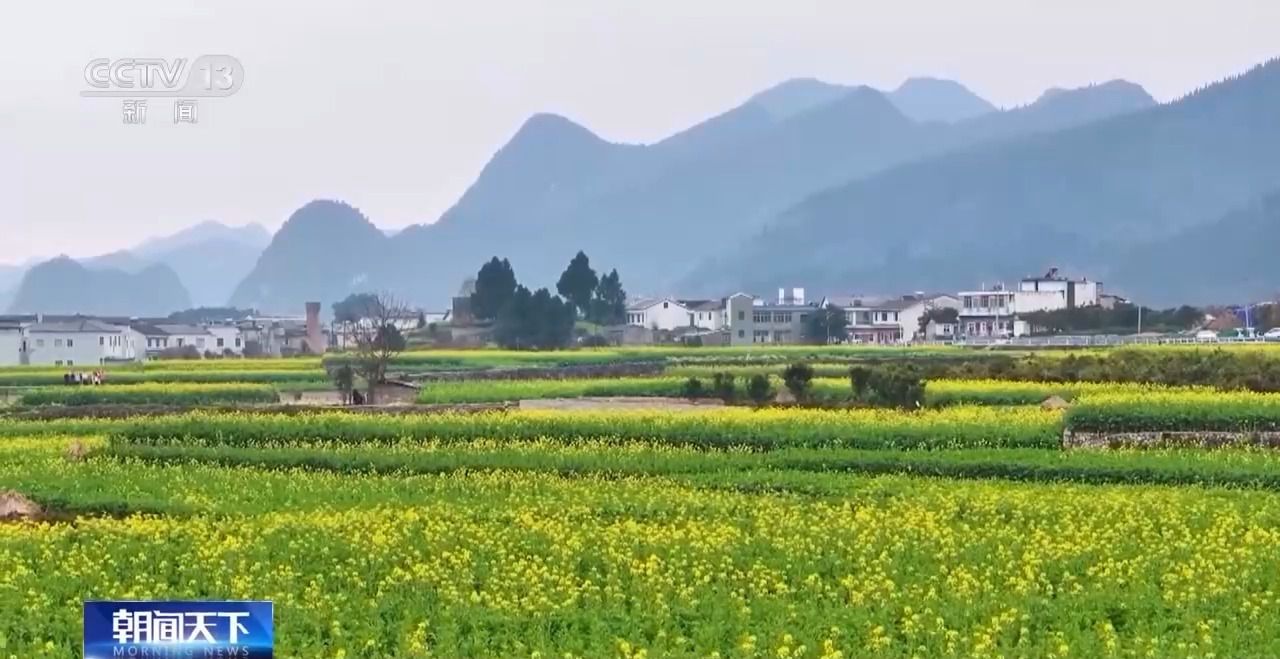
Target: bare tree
(369,323)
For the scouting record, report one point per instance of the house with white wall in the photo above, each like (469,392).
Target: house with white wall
(998,312)
(225,338)
(183,335)
(79,342)
(10,344)
(887,320)
(664,313)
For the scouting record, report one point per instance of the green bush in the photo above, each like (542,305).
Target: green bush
(759,390)
(724,386)
(798,378)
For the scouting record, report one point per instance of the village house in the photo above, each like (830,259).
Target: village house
(79,342)
(753,321)
(999,312)
(10,343)
(883,321)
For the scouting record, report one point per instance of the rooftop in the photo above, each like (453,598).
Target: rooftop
(84,325)
(702,305)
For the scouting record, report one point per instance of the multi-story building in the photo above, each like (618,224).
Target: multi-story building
(1072,292)
(753,321)
(668,313)
(887,320)
(80,342)
(999,312)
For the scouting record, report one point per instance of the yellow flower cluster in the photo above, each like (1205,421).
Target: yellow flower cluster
(536,564)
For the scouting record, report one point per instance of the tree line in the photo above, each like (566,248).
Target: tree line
(524,319)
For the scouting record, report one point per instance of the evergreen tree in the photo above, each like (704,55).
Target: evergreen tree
(578,282)
(495,286)
(510,330)
(609,305)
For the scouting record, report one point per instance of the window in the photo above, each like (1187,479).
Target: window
(237,342)
(57,362)
(781,317)
(40,344)
(665,305)
(57,343)
(761,317)
(69,343)
(70,363)
(180,340)
(741,334)
(220,341)
(742,315)
(102,340)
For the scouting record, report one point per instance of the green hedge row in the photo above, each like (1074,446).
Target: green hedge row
(726,427)
(152,394)
(1255,469)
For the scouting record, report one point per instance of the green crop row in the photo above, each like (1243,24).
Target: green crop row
(1236,411)
(723,427)
(1241,468)
(138,376)
(152,394)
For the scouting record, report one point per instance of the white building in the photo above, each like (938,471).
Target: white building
(658,313)
(182,336)
(347,334)
(668,313)
(10,344)
(997,313)
(883,320)
(80,342)
(225,338)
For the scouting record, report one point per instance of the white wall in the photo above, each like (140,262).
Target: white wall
(202,341)
(712,320)
(74,348)
(909,318)
(663,314)
(10,347)
(1030,301)
(230,337)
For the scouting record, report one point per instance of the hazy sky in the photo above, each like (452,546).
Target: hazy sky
(395,107)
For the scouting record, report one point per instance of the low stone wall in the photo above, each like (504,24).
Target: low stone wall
(1170,439)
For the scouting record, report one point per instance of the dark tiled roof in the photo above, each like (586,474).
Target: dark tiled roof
(85,325)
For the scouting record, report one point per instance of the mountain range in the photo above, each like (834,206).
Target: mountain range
(832,187)
(206,261)
(655,211)
(1091,199)
(65,286)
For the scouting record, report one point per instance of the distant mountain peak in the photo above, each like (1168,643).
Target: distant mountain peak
(252,235)
(546,128)
(937,99)
(1117,90)
(63,285)
(796,96)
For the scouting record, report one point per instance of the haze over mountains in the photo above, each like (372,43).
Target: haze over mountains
(656,211)
(835,188)
(1087,199)
(197,266)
